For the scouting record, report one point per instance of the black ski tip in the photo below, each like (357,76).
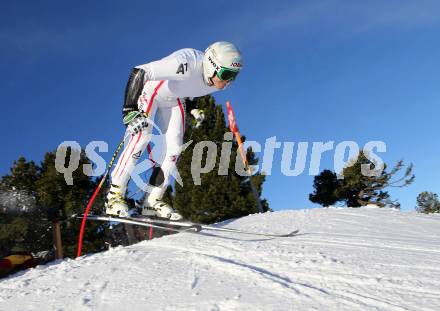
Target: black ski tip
(197,228)
(293,233)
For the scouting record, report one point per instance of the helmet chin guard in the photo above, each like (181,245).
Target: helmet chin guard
(221,55)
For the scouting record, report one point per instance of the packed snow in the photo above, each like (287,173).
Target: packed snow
(343,259)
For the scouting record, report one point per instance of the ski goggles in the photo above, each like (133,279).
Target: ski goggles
(227,74)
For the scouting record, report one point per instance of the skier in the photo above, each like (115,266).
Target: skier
(155,91)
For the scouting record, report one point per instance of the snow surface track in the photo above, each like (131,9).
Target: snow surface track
(343,259)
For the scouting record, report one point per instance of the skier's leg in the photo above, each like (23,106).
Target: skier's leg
(133,149)
(171,120)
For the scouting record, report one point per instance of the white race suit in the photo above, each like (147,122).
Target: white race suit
(166,83)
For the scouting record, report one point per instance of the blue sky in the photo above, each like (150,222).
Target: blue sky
(314,71)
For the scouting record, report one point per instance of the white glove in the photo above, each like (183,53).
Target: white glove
(199,116)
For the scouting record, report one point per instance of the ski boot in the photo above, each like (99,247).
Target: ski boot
(116,205)
(157,208)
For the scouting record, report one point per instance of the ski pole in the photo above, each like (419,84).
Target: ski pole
(92,199)
(234,129)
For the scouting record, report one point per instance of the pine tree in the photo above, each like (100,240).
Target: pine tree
(219,197)
(428,202)
(325,185)
(17,205)
(23,176)
(356,189)
(360,190)
(13,233)
(31,229)
(53,191)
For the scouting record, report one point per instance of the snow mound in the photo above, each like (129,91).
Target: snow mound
(344,259)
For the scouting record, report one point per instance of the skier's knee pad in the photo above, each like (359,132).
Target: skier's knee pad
(157,178)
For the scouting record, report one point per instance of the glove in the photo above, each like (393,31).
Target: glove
(199,117)
(135,122)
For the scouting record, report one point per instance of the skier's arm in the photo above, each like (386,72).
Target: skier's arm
(135,84)
(177,66)
(173,67)
(133,90)
(132,117)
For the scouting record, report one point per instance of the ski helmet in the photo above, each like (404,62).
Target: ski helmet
(223,59)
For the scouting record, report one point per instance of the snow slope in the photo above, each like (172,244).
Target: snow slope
(345,259)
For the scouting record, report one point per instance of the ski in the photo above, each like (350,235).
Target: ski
(155,220)
(133,221)
(160,223)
